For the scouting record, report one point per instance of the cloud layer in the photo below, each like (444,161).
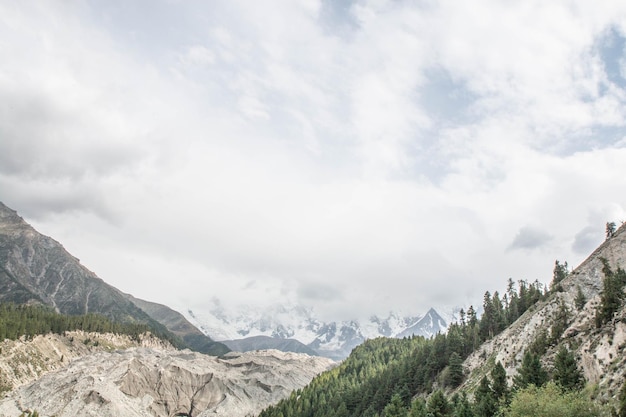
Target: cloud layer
(356,156)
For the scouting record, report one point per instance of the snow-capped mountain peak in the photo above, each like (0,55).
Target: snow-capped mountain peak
(334,339)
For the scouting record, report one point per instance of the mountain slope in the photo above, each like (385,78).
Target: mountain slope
(384,373)
(599,350)
(177,324)
(36,268)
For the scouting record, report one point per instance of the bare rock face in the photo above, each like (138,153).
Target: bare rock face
(600,352)
(150,382)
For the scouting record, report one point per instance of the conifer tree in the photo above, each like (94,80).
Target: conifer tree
(499,386)
(610,230)
(438,405)
(560,323)
(559,273)
(566,372)
(531,372)
(455,369)
(418,408)
(463,407)
(395,408)
(612,293)
(485,404)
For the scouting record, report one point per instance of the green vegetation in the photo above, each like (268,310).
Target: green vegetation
(612,294)
(382,376)
(566,372)
(31,320)
(409,377)
(560,272)
(551,401)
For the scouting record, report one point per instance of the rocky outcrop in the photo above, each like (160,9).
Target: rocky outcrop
(23,361)
(600,351)
(152,382)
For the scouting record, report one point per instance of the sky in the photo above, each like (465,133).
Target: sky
(354,157)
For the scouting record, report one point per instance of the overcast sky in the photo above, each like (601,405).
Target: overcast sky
(354,156)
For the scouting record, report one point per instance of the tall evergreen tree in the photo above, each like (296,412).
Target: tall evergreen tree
(559,273)
(455,370)
(566,372)
(499,386)
(610,230)
(485,404)
(561,321)
(463,407)
(438,405)
(418,408)
(395,408)
(531,372)
(612,293)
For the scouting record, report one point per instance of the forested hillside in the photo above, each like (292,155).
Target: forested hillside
(536,350)
(384,373)
(31,320)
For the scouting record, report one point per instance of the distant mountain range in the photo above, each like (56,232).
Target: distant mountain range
(297,328)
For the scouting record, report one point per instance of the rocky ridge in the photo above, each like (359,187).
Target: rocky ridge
(25,360)
(164,382)
(600,352)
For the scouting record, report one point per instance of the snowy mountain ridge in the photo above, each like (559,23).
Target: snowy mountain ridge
(334,339)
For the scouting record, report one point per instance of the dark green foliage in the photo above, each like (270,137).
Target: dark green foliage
(27,320)
(418,408)
(499,386)
(610,230)
(551,401)
(384,372)
(438,405)
(612,293)
(561,321)
(455,370)
(531,372)
(566,372)
(395,408)
(485,404)
(540,344)
(463,408)
(559,274)
(580,299)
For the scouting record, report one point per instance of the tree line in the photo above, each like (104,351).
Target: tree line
(32,320)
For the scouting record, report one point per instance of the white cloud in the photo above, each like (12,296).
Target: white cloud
(206,150)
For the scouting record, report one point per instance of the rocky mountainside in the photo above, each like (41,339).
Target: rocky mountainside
(161,382)
(36,268)
(333,339)
(600,351)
